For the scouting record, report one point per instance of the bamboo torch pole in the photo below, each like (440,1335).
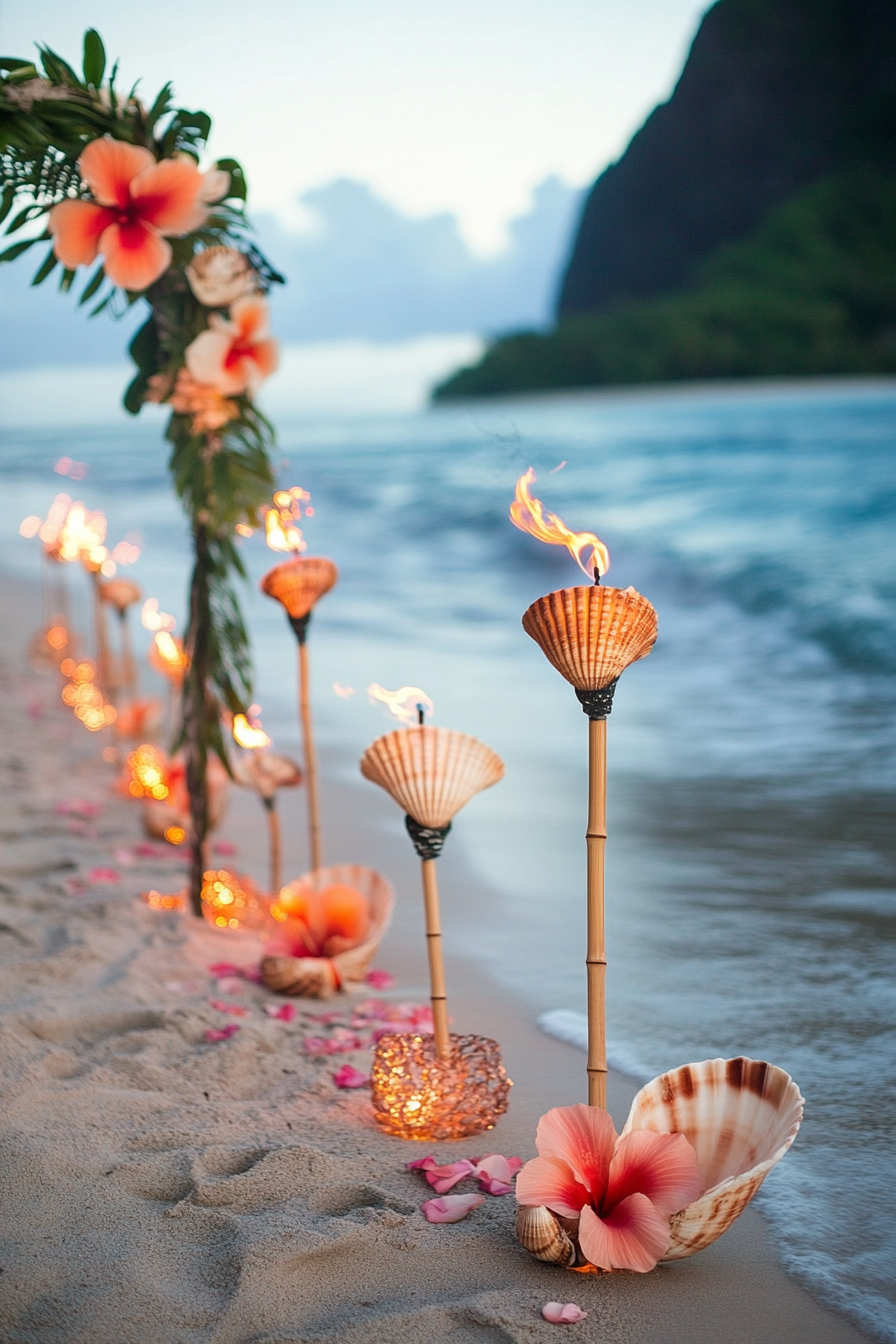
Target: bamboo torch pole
(310,758)
(276,846)
(438,996)
(596,956)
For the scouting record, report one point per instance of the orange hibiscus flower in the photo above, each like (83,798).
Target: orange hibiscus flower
(234,356)
(137,202)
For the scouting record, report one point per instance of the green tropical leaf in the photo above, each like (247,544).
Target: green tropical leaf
(48,264)
(92,285)
(238,186)
(66,280)
(94,58)
(57,70)
(17,249)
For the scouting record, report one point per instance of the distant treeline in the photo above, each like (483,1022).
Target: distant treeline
(812,290)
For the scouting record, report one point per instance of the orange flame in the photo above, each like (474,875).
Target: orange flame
(153,619)
(149,773)
(529,515)
(167,655)
(247,734)
(407,703)
(280,530)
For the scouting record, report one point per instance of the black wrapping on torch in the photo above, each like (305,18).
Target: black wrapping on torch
(300,626)
(597,704)
(427,840)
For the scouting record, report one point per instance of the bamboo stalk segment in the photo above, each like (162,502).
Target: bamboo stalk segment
(276,845)
(314,842)
(438,994)
(596,955)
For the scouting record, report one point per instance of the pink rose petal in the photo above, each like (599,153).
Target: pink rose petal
(225,848)
(380,979)
(235,1009)
(450,1208)
(422,1164)
(494,1172)
(74,886)
(562,1313)
(108,875)
(221,1033)
(442,1179)
(348,1076)
(125,857)
(285,1012)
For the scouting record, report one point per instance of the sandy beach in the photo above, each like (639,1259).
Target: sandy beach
(160,1189)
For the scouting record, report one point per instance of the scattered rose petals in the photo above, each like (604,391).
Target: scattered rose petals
(235,1009)
(450,1208)
(181,986)
(380,979)
(225,969)
(109,875)
(225,848)
(285,1012)
(79,807)
(231,984)
(348,1076)
(221,1033)
(562,1313)
(125,857)
(74,886)
(147,850)
(443,1178)
(494,1172)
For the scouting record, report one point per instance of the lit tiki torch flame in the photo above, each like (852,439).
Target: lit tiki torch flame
(298,584)
(409,704)
(529,515)
(591,635)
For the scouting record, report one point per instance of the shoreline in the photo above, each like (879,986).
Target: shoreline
(165,1188)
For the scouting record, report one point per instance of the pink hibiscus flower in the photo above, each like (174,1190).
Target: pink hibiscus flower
(234,356)
(623,1191)
(137,202)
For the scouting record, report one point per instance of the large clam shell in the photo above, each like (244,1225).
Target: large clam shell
(540,1233)
(300,582)
(741,1115)
(592,634)
(314,977)
(431,772)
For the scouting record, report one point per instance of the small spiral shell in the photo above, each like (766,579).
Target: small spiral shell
(539,1232)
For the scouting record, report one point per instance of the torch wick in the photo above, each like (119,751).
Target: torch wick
(420,713)
(596,575)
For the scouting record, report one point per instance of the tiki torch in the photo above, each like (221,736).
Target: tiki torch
(445,1085)
(590,635)
(121,594)
(298,584)
(265,772)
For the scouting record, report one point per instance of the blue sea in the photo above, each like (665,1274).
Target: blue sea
(752,861)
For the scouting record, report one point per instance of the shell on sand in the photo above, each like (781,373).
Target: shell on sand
(266,772)
(300,582)
(315,977)
(120,593)
(741,1116)
(431,772)
(539,1232)
(592,634)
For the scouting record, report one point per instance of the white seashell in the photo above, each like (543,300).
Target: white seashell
(431,772)
(592,634)
(315,977)
(741,1115)
(540,1233)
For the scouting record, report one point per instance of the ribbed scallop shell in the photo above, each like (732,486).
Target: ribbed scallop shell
(300,582)
(592,634)
(120,593)
(540,1233)
(266,772)
(741,1115)
(313,977)
(431,772)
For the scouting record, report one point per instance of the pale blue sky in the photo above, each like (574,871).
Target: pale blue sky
(462,105)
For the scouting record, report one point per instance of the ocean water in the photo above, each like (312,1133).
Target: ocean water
(751,884)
